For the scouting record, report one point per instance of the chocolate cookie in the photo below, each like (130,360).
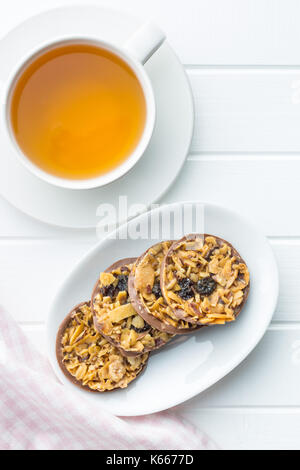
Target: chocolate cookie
(146,296)
(88,360)
(115,317)
(204,280)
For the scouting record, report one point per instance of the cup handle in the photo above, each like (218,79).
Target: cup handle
(144,42)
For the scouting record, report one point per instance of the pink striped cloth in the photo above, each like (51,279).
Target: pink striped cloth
(37,412)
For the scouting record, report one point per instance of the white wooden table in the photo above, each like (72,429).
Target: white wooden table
(243,61)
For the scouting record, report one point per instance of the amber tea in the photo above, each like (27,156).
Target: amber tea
(78,111)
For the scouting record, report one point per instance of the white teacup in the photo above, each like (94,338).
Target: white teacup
(135,52)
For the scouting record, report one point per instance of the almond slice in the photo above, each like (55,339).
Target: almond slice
(107,279)
(122,312)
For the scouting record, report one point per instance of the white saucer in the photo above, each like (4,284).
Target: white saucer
(167,151)
(187,365)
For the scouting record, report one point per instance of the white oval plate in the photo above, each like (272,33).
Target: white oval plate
(165,154)
(191,364)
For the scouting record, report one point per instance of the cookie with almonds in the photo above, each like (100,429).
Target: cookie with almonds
(88,360)
(146,296)
(204,280)
(115,317)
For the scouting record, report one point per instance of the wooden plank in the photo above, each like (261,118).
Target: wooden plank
(288,258)
(31,273)
(216,32)
(266,191)
(249,429)
(246,110)
(204,32)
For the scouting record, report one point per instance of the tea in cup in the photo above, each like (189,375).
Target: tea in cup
(81,112)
